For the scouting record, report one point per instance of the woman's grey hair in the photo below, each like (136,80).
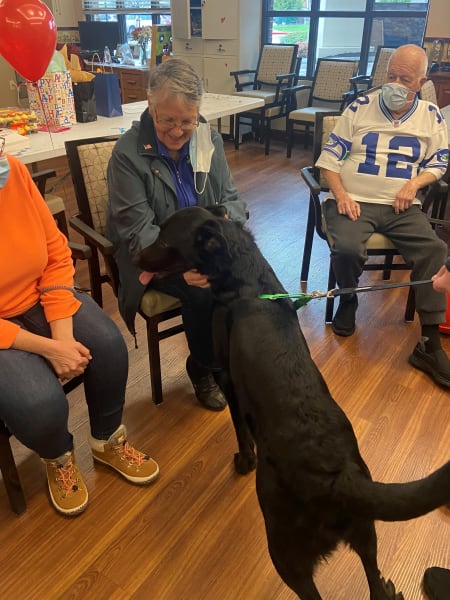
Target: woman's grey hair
(174,77)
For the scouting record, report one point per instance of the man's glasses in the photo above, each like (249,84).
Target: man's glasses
(166,124)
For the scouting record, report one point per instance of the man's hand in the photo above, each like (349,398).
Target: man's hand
(405,197)
(195,278)
(441,281)
(347,206)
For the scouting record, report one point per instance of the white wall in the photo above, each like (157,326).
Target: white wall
(438,24)
(7,97)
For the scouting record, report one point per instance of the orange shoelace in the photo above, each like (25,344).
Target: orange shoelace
(67,478)
(131,454)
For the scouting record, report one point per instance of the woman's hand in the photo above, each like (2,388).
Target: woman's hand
(195,278)
(69,358)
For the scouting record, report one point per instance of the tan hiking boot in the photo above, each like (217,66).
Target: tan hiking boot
(68,492)
(121,456)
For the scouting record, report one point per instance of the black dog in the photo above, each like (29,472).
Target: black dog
(313,486)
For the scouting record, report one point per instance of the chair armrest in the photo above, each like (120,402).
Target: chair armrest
(91,236)
(242,72)
(40,178)
(287,76)
(80,251)
(361,79)
(309,179)
(240,85)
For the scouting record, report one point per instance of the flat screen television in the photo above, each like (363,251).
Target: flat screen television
(95,35)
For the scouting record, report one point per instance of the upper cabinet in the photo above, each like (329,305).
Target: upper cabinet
(208,19)
(216,37)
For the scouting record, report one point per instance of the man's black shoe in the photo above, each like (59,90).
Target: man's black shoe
(207,391)
(435,363)
(436,583)
(344,320)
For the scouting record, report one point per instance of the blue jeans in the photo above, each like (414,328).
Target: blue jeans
(32,401)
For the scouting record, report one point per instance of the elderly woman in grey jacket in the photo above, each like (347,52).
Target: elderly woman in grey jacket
(169,160)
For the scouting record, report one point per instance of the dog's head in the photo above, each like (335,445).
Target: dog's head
(183,242)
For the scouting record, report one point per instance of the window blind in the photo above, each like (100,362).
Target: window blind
(125,6)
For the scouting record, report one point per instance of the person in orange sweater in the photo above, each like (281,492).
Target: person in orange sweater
(49,333)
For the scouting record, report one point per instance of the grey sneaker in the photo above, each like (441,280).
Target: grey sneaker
(68,492)
(436,363)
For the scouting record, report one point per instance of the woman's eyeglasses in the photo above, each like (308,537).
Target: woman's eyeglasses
(166,123)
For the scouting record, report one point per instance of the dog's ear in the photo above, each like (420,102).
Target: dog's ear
(209,240)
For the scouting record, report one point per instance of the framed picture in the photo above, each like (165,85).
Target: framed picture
(437,51)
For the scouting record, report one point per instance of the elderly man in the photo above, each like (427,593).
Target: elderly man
(386,146)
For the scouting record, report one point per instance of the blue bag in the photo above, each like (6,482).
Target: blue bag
(108,99)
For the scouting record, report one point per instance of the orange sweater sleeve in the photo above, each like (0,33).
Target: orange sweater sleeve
(34,255)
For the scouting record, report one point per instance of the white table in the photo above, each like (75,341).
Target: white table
(45,145)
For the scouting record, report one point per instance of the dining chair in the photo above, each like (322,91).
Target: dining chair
(53,201)
(88,160)
(326,93)
(278,68)
(428,92)
(434,204)
(362,83)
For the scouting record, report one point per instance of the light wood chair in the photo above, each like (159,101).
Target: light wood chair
(88,160)
(428,92)
(361,83)
(278,68)
(326,93)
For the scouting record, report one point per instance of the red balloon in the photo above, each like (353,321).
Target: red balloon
(27,36)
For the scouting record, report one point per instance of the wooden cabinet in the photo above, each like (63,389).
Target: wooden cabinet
(441,80)
(217,37)
(133,81)
(133,84)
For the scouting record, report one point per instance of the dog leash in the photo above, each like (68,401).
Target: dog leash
(302,298)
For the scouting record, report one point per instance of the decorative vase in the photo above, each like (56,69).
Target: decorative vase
(143,54)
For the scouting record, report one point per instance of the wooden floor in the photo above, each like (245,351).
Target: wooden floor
(197,533)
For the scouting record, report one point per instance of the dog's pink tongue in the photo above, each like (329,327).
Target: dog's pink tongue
(145,277)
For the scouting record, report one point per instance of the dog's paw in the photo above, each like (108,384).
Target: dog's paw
(391,594)
(244,464)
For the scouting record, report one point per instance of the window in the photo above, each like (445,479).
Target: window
(343,28)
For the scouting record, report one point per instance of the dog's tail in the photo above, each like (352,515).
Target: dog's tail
(396,501)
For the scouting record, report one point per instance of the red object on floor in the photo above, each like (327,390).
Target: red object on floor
(445,327)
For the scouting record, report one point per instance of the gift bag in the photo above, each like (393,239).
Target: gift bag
(108,98)
(84,98)
(51,98)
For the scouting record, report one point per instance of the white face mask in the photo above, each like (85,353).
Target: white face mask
(201,148)
(4,170)
(395,96)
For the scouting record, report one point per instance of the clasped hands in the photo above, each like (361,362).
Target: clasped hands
(69,358)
